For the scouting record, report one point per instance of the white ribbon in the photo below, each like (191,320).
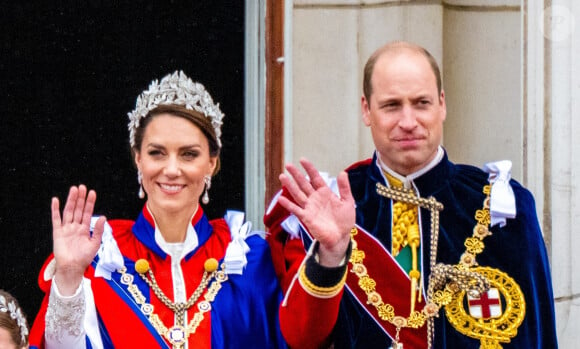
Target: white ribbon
(235,259)
(502,200)
(110,257)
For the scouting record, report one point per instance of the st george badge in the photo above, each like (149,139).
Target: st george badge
(492,317)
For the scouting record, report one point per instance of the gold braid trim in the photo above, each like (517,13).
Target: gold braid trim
(318,291)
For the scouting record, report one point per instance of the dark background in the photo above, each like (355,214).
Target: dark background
(69,74)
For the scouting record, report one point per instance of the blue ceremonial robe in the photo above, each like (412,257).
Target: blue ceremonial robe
(517,249)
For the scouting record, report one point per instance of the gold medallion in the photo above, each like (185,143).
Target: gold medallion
(494,317)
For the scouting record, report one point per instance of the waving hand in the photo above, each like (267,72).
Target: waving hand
(327,216)
(73,244)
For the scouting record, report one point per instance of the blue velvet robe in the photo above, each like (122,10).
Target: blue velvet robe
(517,249)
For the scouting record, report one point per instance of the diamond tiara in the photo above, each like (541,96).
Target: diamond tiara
(15,314)
(178,89)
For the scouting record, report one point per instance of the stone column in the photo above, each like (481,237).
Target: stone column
(482,80)
(558,25)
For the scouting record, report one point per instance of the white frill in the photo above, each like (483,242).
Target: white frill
(110,257)
(502,200)
(235,259)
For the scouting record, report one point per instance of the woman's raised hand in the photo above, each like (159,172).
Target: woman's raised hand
(327,216)
(74,246)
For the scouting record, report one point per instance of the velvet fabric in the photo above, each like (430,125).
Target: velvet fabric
(244,313)
(517,249)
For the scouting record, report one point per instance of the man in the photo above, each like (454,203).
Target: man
(441,255)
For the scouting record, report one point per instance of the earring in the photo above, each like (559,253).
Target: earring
(140,180)
(205,197)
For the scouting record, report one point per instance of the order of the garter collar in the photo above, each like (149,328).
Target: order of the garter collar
(176,89)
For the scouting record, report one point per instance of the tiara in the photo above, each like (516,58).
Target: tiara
(178,89)
(15,314)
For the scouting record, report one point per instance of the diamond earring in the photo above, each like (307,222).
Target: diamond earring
(205,197)
(140,180)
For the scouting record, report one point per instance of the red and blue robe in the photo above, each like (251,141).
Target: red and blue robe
(244,313)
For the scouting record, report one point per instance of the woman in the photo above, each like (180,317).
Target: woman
(13,325)
(171,279)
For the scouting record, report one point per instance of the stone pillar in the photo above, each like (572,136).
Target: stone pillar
(559,26)
(482,80)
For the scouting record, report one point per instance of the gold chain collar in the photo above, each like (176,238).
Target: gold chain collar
(440,290)
(178,334)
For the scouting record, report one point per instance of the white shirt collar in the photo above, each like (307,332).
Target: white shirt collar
(189,244)
(408,180)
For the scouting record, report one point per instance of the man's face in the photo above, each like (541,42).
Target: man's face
(405,111)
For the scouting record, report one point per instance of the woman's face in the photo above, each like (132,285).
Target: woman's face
(173,159)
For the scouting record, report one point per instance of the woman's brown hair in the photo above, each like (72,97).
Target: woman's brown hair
(13,319)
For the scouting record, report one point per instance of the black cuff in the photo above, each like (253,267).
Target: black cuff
(322,276)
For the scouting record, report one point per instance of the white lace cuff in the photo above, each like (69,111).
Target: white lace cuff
(64,319)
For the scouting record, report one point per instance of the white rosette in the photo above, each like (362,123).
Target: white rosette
(110,257)
(235,259)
